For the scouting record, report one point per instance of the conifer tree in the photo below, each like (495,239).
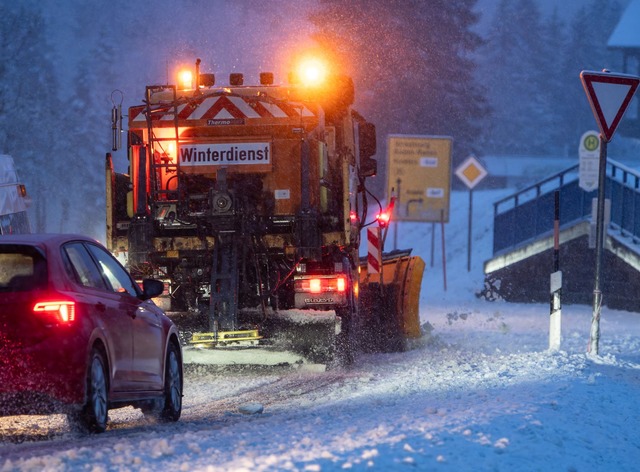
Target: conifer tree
(586,49)
(29,106)
(411,64)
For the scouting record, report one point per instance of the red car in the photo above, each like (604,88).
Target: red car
(79,336)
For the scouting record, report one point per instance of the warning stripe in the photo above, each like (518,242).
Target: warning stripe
(269,110)
(201,109)
(374,260)
(224,107)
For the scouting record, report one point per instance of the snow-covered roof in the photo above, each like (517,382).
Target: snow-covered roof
(627,32)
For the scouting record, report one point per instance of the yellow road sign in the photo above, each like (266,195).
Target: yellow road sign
(471,172)
(419,174)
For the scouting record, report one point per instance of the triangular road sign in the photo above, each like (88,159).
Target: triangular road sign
(609,95)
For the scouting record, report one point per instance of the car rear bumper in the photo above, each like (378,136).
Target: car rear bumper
(40,380)
(31,403)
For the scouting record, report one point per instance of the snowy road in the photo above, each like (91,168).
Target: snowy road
(483,393)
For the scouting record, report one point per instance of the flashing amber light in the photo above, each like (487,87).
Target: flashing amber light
(185,80)
(60,311)
(22,190)
(342,284)
(312,71)
(171,149)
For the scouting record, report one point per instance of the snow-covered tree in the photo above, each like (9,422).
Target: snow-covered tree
(411,63)
(586,49)
(30,114)
(530,66)
(510,72)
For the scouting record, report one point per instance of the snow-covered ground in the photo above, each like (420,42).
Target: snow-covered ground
(481,393)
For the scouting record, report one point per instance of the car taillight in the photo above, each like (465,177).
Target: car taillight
(321,285)
(59,311)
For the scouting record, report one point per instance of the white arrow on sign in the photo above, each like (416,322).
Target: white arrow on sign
(609,95)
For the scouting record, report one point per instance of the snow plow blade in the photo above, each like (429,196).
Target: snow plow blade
(299,339)
(226,338)
(389,303)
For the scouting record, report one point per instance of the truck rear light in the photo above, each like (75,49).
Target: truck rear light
(315,286)
(59,311)
(321,285)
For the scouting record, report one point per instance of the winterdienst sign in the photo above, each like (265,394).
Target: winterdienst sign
(609,95)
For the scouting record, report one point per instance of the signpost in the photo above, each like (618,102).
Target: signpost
(419,170)
(471,172)
(419,173)
(609,96)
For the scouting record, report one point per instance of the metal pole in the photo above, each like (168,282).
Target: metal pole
(594,334)
(433,240)
(469,230)
(395,227)
(444,252)
(395,235)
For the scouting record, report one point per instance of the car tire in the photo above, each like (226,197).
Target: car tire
(173,381)
(93,415)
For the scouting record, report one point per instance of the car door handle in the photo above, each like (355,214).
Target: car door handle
(101,307)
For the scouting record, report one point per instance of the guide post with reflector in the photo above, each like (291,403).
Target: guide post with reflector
(555,285)
(609,95)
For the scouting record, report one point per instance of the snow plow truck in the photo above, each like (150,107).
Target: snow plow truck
(248,202)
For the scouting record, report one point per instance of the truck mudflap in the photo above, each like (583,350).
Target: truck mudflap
(389,303)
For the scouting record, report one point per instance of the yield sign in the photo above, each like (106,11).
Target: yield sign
(609,95)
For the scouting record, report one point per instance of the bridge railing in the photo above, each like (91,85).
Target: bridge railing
(529,213)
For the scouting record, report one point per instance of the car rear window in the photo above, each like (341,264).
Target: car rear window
(22,268)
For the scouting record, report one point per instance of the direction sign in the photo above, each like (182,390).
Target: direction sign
(609,95)
(589,152)
(471,172)
(419,173)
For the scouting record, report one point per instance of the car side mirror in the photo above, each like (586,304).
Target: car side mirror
(367,144)
(151,288)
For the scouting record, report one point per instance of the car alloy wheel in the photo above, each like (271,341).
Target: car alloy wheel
(96,408)
(172,386)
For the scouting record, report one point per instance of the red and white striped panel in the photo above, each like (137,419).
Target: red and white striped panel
(226,107)
(374,251)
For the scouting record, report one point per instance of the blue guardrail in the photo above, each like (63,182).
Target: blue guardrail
(528,214)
